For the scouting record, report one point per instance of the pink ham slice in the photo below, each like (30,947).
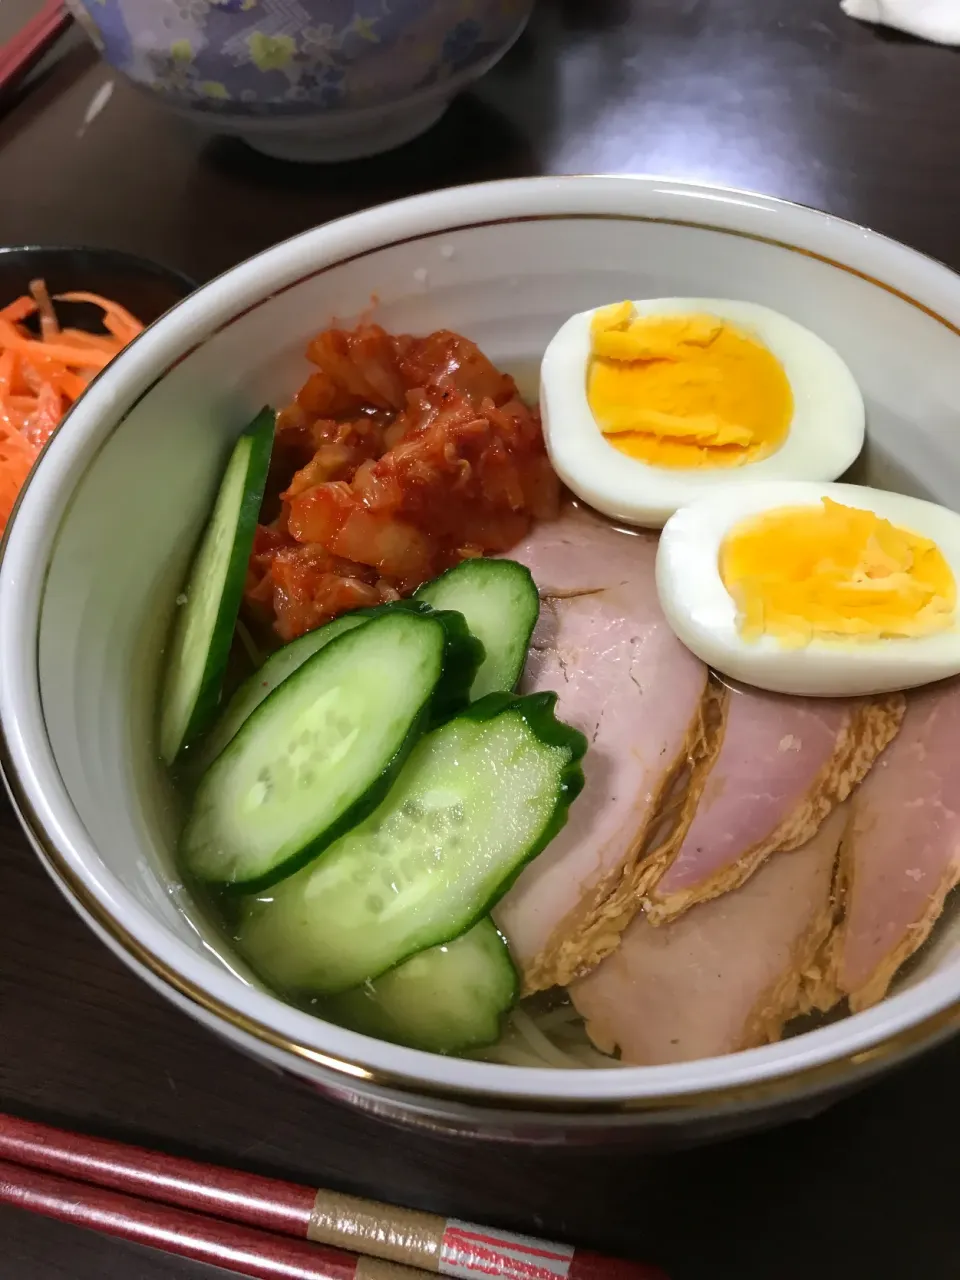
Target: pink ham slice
(783,765)
(727,974)
(650,715)
(901,855)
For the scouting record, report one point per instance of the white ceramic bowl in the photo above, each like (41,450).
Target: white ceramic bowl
(95,556)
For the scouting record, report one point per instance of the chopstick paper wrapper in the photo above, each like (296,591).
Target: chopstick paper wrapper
(396,1235)
(455,1248)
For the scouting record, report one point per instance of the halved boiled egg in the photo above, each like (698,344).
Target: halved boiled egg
(815,589)
(649,405)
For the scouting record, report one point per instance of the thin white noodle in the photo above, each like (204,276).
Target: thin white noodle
(512,1057)
(546,1049)
(547,1037)
(247,640)
(574,1031)
(571,1037)
(589,1057)
(559,1020)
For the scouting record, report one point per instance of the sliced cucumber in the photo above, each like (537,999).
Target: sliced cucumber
(501,604)
(463,657)
(203,631)
(477,799)
(444,1000)
(262,683)
(463,654)
(317,755)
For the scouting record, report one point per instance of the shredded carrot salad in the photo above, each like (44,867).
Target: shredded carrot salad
(399,457)
(42,375)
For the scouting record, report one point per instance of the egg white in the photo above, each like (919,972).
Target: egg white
(825,436)
(703,614)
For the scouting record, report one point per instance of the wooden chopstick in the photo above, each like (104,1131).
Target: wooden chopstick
(191,1235)
(267,1203)
(396,1235)
(31,42)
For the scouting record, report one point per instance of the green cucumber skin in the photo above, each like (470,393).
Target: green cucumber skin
(444,593)
(463,657)
(537,710)
(253,692)
(463,654)
(379,1008)
(261,432)
(364,805)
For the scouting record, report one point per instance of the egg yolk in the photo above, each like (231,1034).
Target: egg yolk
(685,390)
(799,573)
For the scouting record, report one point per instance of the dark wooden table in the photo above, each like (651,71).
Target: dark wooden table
(785,96)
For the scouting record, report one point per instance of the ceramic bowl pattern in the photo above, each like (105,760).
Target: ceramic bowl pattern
(94,560)
(294,57)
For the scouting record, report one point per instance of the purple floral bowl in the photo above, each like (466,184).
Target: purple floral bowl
(313,80)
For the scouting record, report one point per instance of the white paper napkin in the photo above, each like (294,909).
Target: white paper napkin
(929,19)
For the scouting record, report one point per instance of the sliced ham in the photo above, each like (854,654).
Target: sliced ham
(651,716)
(727,974)
(783,765)
(901,855)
